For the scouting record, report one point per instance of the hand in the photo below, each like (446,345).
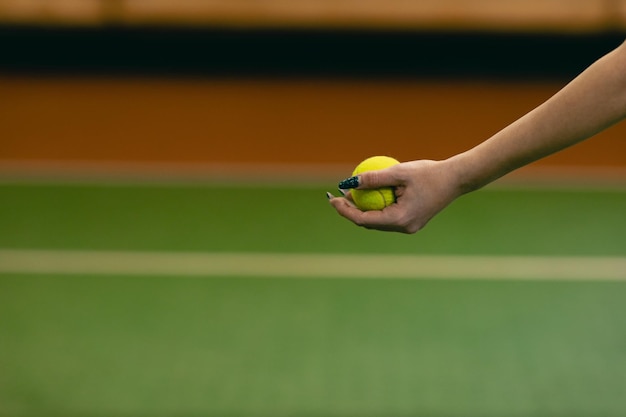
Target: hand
(423,188)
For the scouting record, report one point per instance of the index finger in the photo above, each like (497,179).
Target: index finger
(386,177)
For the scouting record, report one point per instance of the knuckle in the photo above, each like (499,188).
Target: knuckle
(374,178)
(409,225)
(411,229)
(371,179)
(360,222)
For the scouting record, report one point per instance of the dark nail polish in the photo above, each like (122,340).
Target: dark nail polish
(351,182)
(329,196)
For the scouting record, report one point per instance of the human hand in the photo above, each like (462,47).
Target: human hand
(423,188)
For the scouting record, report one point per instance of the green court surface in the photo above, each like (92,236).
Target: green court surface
(94,344)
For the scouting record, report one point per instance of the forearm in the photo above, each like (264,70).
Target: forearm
(589,104)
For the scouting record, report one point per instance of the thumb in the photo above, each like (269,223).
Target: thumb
(372,179)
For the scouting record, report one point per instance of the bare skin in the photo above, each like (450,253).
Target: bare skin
(590,103)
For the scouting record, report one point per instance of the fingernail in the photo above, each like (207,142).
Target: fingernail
(343,192)
(348,183)
(329,196)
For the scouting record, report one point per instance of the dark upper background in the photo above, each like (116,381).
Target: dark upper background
(442,38)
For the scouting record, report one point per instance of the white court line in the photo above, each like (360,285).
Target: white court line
(185,264)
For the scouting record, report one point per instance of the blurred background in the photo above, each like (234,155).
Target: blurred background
(137,136)
(307,87)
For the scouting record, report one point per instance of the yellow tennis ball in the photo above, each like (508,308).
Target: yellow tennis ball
(375,199)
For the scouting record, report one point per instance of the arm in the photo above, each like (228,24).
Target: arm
(593,101)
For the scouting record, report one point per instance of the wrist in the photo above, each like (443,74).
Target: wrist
(467,172)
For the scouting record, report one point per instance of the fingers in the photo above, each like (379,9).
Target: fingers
(386,219)
(347,195)
(387,177)
(422,188)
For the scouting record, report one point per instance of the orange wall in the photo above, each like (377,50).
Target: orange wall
(268,121)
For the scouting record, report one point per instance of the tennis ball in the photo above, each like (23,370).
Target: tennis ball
(375,199)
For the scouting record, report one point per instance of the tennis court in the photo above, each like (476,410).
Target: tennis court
(111,304)
(160,255)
